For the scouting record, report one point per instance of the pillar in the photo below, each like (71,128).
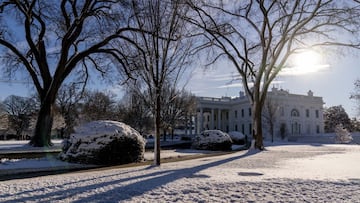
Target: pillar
(196,124)
(219,119)
(201,120)
(186,125)
(212,119)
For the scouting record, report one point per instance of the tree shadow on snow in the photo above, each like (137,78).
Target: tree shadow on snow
(138,185)
(155,180)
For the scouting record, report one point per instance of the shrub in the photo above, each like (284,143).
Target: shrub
(237,137)
(121,150)
(215,140)
(342,135)
(104,143)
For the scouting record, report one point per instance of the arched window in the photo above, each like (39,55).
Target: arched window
(295,128)
(295,113)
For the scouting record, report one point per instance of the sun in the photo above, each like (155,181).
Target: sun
(306,61)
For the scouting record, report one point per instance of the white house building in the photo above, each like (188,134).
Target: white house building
(293,114)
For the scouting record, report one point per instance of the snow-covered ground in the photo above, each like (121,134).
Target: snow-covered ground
(51,162)
(22,145)
(283,173)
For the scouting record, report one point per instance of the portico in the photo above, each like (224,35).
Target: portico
(213,113)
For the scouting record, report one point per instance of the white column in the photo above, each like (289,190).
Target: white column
(230,120)
(186,125)
(201,120)
(196,124)
(191,124)
(212,119)
(219,119)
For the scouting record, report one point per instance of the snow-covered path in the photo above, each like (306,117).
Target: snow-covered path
(287,173)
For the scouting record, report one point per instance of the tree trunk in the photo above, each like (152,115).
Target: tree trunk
(157,129)
(257,126)
(42,133)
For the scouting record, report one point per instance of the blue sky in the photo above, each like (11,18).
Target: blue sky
(334,84)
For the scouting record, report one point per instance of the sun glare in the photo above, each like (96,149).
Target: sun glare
(306,62)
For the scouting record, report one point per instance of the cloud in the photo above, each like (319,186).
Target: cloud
(239,84)
(232,85)
(304,70)
(224,77)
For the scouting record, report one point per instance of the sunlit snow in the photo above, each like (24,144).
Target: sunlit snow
(283,173)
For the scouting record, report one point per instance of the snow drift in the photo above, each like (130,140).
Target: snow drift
(212,140)
(104,142)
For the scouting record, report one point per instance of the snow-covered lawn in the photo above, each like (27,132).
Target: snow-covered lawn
(22,145)
(51,162)
(283,173)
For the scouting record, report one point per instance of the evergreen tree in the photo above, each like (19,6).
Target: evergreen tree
(336,115)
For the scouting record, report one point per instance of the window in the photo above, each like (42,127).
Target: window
(282,111)
(295,113)
(307,113)
(296,128)
(250,112)
(317,129)
(250,129)
(243,129)
(227,115)
(235,114)
(308,129)
(317,113)
(236,127)
(283,130)
(242,113)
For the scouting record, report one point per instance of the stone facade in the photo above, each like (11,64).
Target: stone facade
(293,114)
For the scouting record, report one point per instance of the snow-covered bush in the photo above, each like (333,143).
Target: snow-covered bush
(342,135)
(212,140)
(105,143)
(237,137)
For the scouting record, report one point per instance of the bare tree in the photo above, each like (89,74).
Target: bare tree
(133,111)
(98,105)
(258,37)
(20,110)
(178,105)
(68,100)
(161,57)
(52,40)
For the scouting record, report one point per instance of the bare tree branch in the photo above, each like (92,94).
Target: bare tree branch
(61,38)
(259,37)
